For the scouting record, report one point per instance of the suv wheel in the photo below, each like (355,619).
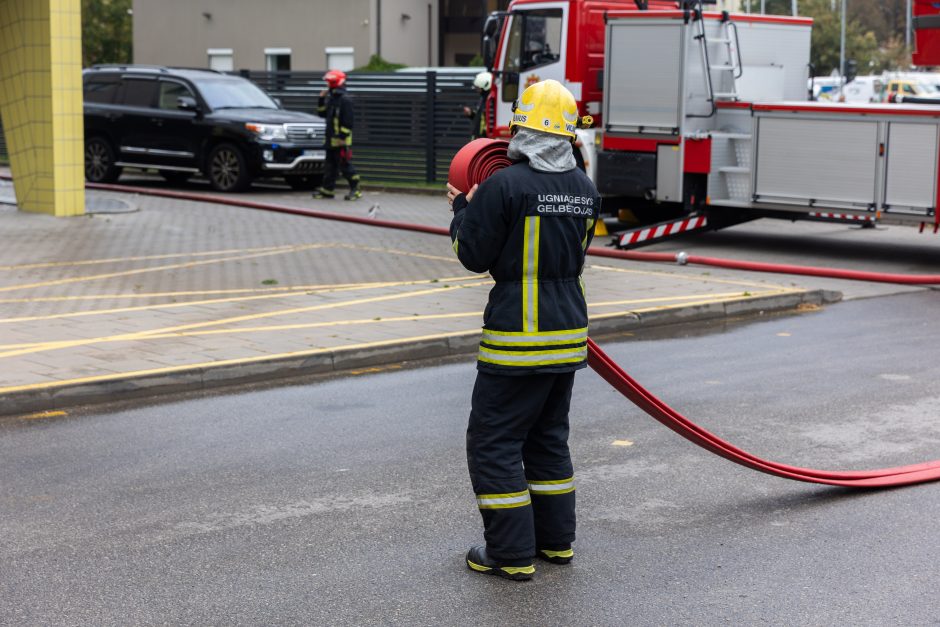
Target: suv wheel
(227,169)
(99,161)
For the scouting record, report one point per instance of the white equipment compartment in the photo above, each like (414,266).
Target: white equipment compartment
(874,158)
(645,90)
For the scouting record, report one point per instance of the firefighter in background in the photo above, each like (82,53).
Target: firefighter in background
(337,109)
(482,83)
(529,226)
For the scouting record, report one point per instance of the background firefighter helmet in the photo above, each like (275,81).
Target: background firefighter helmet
(483,81)
(335,78)
(549,107)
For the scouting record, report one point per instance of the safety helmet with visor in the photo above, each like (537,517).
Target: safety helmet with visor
(549,107)
(335,78)
(483,81)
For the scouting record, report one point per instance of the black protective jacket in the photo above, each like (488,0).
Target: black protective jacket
(337,109)
(530,230)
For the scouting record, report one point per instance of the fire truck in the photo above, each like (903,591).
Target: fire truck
(703,119)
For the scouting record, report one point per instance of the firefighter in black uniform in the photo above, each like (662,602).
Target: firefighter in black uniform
(337,109)
(482,83)
(529,226)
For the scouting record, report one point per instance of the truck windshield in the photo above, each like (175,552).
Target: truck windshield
(233,93)
(534,40)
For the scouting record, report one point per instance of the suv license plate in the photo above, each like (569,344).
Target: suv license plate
(317,154)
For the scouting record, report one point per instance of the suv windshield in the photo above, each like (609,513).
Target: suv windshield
(233,93)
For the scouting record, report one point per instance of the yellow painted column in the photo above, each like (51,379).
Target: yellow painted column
(41,103)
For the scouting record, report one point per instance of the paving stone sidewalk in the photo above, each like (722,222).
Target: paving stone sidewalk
(185,295)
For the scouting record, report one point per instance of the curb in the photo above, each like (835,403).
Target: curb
(334,362)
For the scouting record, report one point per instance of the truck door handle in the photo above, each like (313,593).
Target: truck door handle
(157,121)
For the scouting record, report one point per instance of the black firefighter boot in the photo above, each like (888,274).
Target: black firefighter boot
(517,570)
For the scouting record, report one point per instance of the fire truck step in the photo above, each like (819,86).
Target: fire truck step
(734,169)
(658,232)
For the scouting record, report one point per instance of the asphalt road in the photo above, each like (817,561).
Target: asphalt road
(347,501)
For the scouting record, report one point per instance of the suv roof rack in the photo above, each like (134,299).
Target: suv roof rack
(148,68)
(124,66)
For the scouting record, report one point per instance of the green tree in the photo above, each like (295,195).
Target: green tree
(106,32)
(861,41)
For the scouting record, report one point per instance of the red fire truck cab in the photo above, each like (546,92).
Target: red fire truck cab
(702,118)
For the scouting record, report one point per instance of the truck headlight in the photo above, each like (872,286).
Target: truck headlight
(267,132)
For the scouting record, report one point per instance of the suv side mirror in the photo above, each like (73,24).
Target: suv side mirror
(187,103)
(277,101)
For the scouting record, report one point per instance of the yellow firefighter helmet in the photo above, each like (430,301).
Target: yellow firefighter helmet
(549,107)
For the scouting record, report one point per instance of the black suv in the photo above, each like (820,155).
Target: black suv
(183,121)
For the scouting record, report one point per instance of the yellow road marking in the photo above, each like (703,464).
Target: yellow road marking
(622,443)
(44,414)
(275,327)
(304,292)
(396,251)
(365,321)
(709,301)
(247,290)
(56,345)
(376,369)
(225,362)
(721,296)
(175,266)
(693,277)
(91,262)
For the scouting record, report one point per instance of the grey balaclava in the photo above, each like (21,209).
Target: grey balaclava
(546,152)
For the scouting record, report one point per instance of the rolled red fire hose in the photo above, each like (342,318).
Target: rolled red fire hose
(477,161)
(480,159)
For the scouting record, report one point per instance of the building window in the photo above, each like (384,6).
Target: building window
(340,58)
(277,59)
(221,59)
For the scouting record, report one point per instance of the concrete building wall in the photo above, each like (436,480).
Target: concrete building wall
(412,40)
(180,32)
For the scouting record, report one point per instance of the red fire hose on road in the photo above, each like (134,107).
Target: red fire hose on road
(776,268)
(482,157)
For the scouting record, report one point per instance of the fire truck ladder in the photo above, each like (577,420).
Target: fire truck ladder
(729,70)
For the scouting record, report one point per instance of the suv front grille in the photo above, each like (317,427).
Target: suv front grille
(306,133)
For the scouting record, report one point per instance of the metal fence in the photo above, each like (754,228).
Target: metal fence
(408,125)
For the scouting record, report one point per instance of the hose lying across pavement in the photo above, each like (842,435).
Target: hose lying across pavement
(483,156)
(776,268)
(480,159)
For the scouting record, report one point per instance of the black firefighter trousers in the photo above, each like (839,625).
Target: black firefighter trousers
(520,467)
(338,162)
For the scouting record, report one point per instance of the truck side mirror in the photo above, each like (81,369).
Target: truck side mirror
(489,52)
(491,29)
(187,103)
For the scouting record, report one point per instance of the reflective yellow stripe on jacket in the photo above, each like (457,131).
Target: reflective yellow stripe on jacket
(530,275)
(548,348)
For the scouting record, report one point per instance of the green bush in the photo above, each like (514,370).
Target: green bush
(378,64)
